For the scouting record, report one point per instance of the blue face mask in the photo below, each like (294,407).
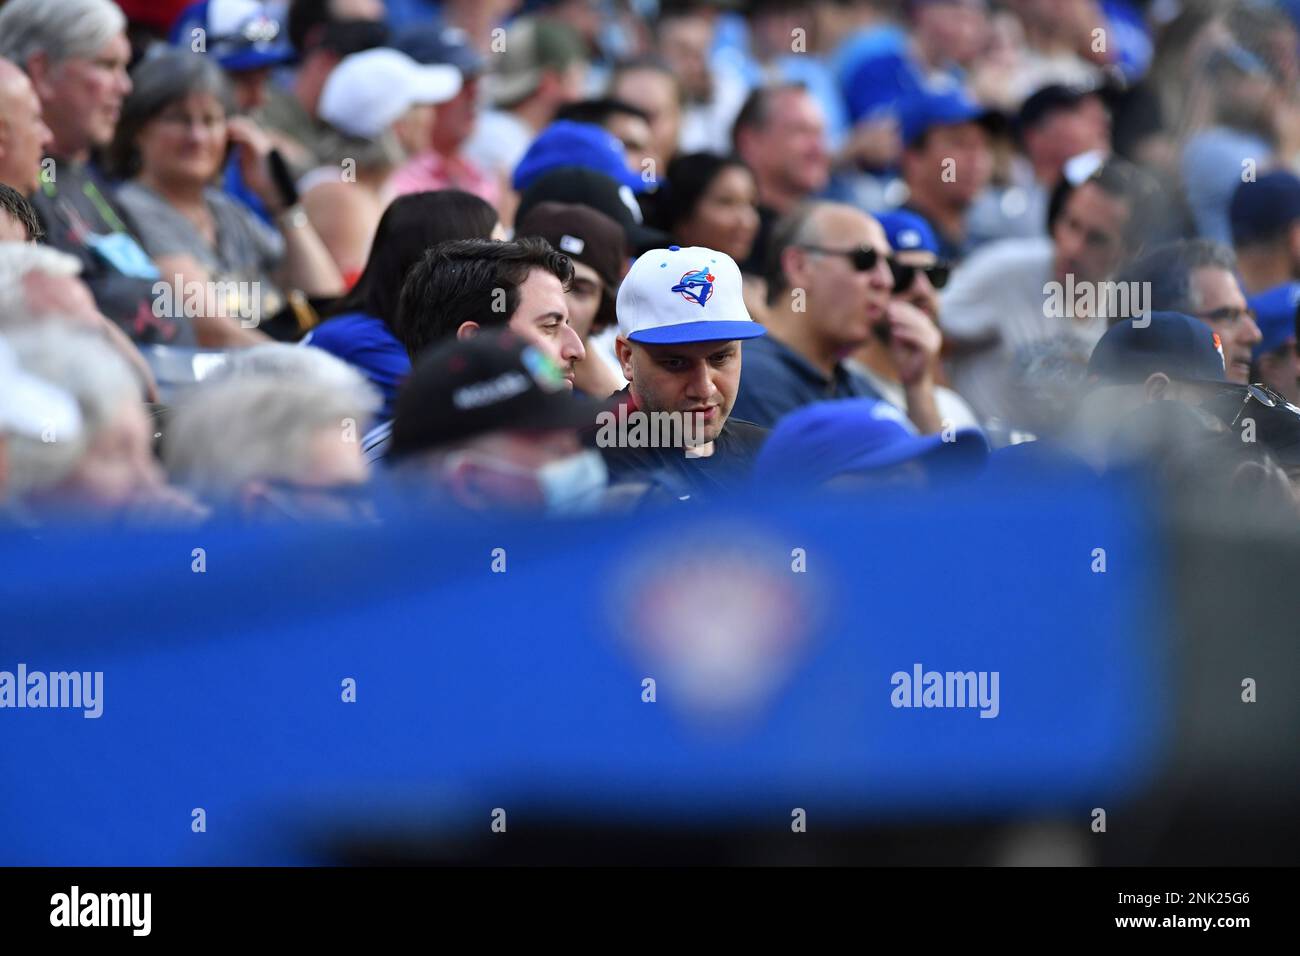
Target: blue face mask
(574,485)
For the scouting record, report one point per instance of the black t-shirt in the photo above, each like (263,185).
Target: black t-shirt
(81,219)
(672,475)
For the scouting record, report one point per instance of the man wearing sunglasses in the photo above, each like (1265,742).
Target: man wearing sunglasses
(829,287)
(918,274)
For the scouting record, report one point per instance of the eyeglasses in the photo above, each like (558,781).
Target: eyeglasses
(866,258)
(863,258)
(1262,394)
(1228,313)
(905,275)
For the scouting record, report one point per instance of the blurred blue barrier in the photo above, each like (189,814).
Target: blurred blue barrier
(477,689)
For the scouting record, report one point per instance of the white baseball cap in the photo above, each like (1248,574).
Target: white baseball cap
(30,406)
(367,91)
(677,295)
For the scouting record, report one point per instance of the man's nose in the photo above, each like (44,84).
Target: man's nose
(571,348)
(1250,330)
(699,386)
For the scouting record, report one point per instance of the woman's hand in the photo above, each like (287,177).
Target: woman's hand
(254,151)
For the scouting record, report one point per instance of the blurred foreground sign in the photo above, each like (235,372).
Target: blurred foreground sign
(702,667)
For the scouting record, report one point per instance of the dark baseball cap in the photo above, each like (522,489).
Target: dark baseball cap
(1048,100)
(586,187)
(492,382)
(429,43)
(1264,208)
(587,236)
(1178,345)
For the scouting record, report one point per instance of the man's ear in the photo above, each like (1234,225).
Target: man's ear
(38,69)
(1156,387)
(467,330)
(623,351)
(1293,241)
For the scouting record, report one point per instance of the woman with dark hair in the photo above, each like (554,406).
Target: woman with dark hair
(710,201)
(171,144)
(360,330)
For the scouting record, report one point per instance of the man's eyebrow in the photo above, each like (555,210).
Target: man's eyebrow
(550,315)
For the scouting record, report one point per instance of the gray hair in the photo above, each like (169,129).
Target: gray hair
(1169,267)
(17,261)
(61,29)
(160,79)
(798,227)
(87,368)
(287,362)
(257,427)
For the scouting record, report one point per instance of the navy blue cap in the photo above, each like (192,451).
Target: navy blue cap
(429,43)
(1275,314)
(921,112)
(1264,208)
(818,442)
(241,34)
(907,230)
(566,143)
(1178,345)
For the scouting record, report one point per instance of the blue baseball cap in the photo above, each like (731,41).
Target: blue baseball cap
(1275,314)
(1178,345)
(566,143)
(242,34)
(1264,208)
(921,112)
(821,441)
(907,230)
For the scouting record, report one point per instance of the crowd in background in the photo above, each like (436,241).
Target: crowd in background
(300,260)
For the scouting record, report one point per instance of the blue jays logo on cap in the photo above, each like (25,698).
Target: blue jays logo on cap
(655,310)
(696,286)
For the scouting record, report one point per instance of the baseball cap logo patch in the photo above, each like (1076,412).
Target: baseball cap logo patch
(1218,347)
(543,370)
(696,286)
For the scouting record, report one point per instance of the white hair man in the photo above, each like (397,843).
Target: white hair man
(38,283)
(40,432)
(289,363)
(114,472)
(273,447)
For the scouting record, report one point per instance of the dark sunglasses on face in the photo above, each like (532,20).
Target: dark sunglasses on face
(905,275)
(865,258)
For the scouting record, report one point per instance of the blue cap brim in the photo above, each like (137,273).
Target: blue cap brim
(725,331)
(254,60)
(970,448)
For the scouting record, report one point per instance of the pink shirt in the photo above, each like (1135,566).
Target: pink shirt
(431,170)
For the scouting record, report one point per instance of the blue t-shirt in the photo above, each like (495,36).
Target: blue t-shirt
(364,341)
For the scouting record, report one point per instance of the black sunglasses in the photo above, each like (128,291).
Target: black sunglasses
(905,275)
(1262,394)
(865,258)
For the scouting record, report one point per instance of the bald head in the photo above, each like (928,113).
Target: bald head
(23,135)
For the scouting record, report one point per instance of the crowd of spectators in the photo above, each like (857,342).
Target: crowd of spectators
(302,259)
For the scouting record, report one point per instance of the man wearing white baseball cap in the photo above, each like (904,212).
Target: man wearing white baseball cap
(681,322)
(365,99)
(368,91)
